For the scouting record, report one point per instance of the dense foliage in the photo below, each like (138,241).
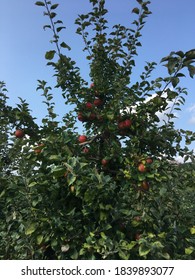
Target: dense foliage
(115,192)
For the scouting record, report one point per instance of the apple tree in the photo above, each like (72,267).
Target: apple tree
(114,192)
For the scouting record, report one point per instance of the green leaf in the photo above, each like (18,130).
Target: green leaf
(58,171)
(180,53)
(103,235)
(50,55)
(135,11)
(32,184)
(30,229)
(192,230)
(39,3)
(39,239)
(71,179)
(143,250)
(189,250)
(54,157)
(150,175)
(47,26)
(52,15)
(2,193)
(65,46)
(175,81)
(172,63)
(190,54)
(58,29)
(124,255)
(53,7)
(191,70)
(166,58)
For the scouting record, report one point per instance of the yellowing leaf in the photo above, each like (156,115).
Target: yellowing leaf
(189,250)
(30,229)
(192,230)
(39,239)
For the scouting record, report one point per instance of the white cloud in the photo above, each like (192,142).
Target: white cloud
(192,112)
(192,108)
(192,119)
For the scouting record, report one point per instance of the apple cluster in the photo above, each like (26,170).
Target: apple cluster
(90,110)
(95,108)
(144,167)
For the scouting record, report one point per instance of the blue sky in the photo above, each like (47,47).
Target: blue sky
(24,43)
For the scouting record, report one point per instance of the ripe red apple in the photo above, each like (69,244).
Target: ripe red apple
(127,123)
(142,167)
(89,105)
(145,185)
(38,150)
(98,102)
(82,138)
(92,116)
(81,117)
(121,125)
(85,150)
(92,85)
(104,162)
(19,133)
(149,160)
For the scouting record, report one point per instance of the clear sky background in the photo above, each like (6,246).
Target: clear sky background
(23,44)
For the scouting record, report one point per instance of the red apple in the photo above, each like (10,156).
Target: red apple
(89,105)
(85,150)
(145,185)
(38,150)
(127,123)
(149,160)
(98,102)
(142,167)
(92,85)
(81,117)
(121,125)
(19,133)
(82,138)
(104,162)
(92,116)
